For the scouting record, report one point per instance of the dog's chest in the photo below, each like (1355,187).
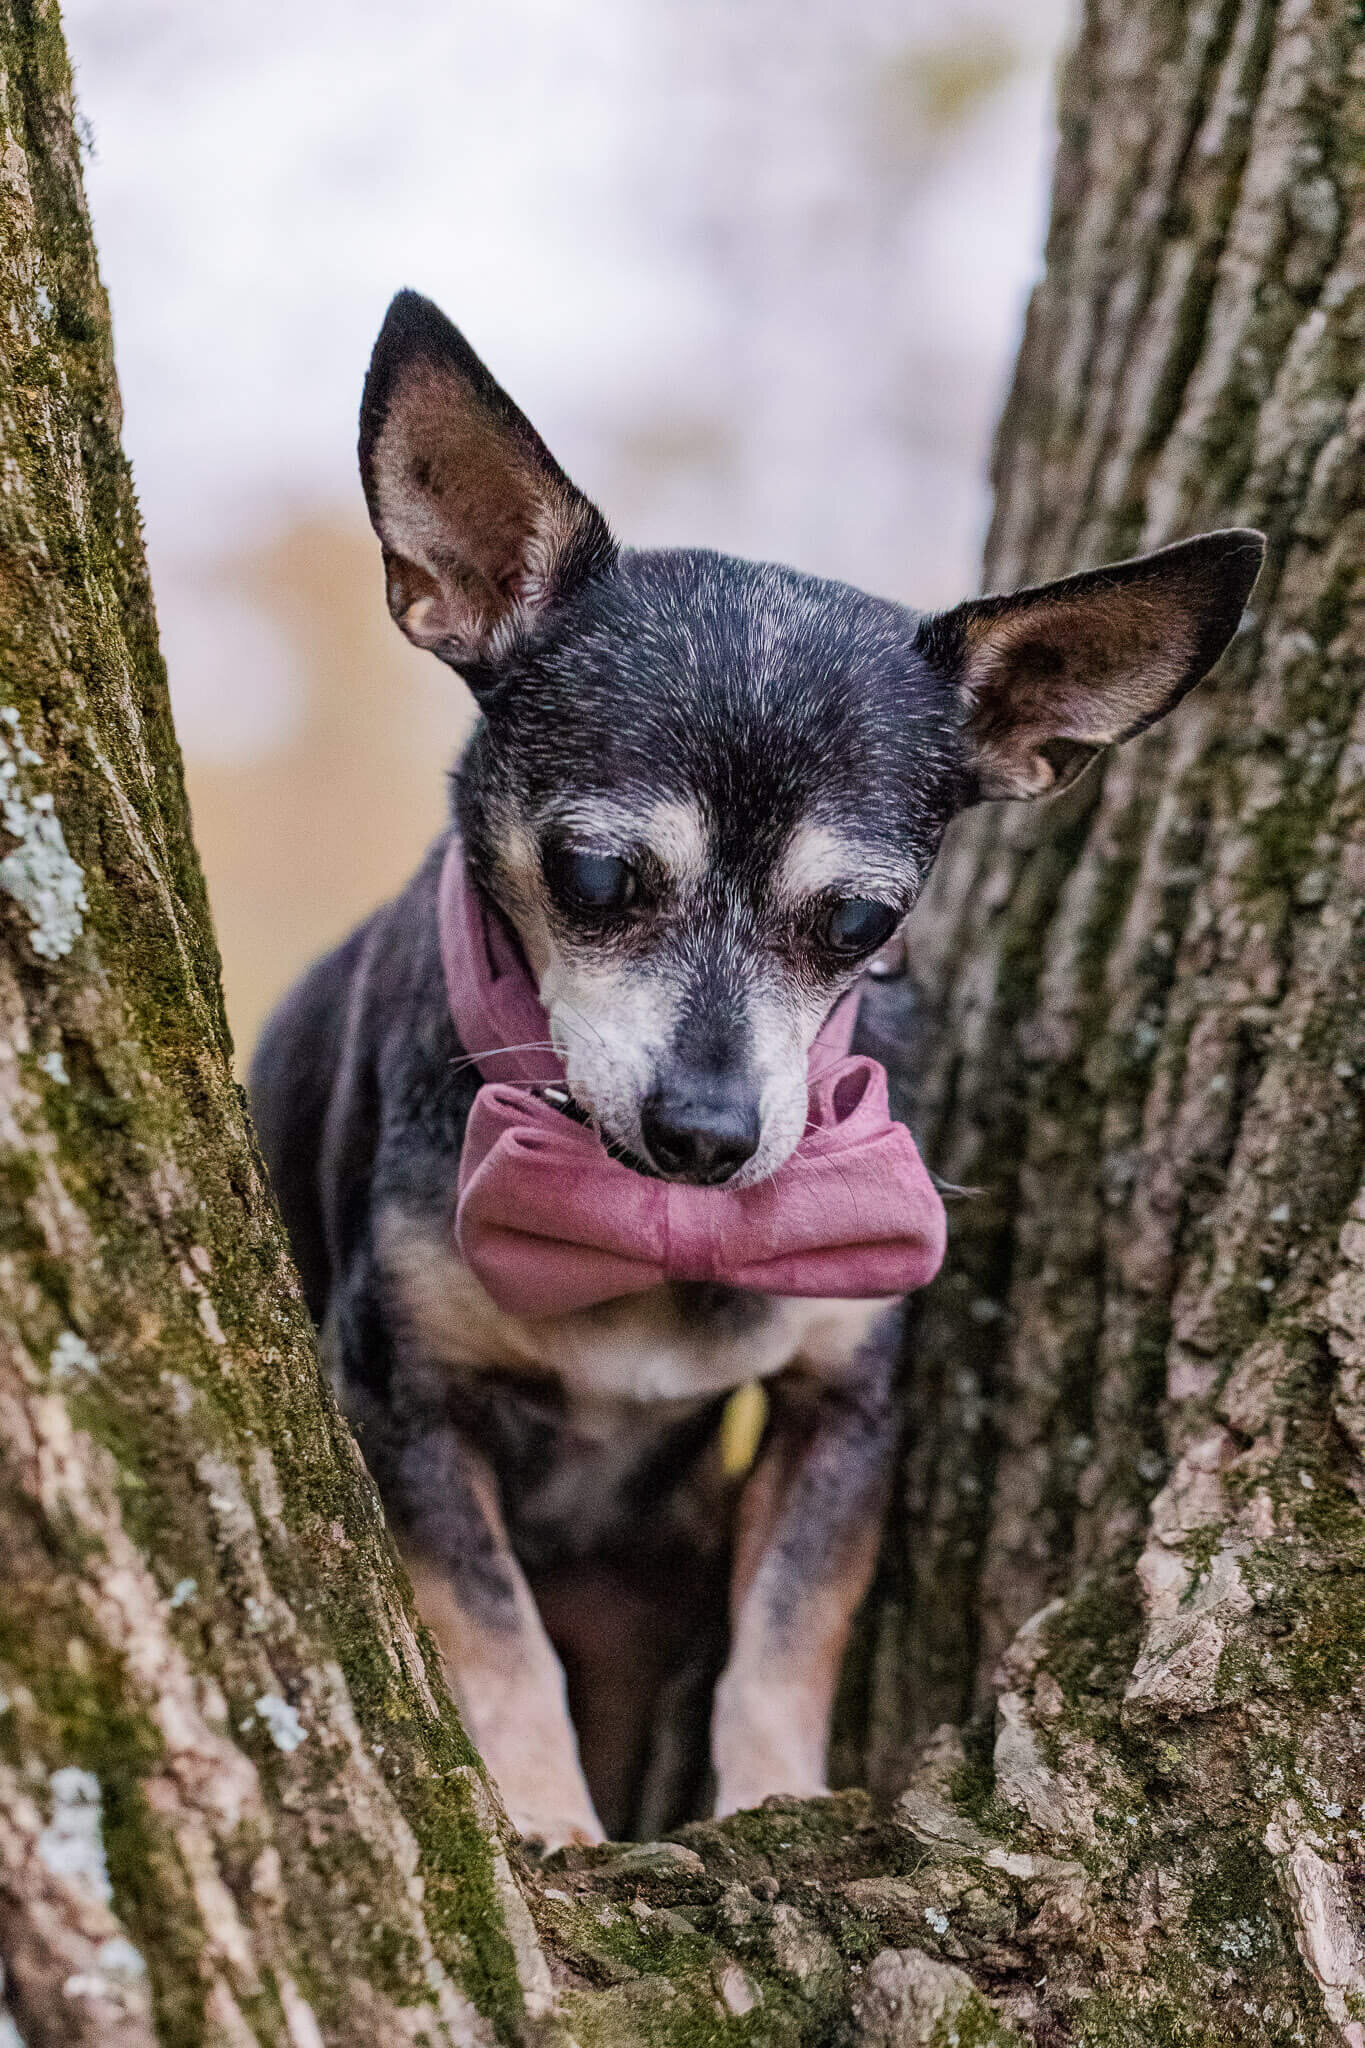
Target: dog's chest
(596,1424)
(672,1344)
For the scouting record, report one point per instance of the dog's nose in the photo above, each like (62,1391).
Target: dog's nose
(696,1139)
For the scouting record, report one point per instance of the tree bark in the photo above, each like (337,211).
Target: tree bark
(1109,1683)
(235,1802)
(1139,1389)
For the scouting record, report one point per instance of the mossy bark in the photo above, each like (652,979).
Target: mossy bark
(235,1801)
(1125,1568)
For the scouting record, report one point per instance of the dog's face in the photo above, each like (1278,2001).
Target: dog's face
(705,791)
(703,802)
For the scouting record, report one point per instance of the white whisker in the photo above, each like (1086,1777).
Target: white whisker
(471,1059)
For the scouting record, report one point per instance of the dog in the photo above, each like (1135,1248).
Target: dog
(702,793)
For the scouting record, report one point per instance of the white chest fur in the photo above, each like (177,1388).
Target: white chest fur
(647,1348)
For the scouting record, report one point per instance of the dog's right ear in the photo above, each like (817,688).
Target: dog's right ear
(482,531)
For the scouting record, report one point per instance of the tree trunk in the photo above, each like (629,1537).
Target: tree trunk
(1141,1387)
(235,1804)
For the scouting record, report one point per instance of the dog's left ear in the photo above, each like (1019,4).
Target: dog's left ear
(1050,675)
(482,531)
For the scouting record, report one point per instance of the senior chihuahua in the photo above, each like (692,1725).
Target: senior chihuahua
(703,792)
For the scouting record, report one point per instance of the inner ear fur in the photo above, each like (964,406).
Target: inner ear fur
(1049,675)
(481,530)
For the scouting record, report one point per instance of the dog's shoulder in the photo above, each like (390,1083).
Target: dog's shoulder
(291,1084)
(358,1085)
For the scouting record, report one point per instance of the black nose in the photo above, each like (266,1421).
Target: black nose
(699,1138)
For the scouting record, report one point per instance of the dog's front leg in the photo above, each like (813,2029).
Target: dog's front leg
(498,1659)
(806,1543)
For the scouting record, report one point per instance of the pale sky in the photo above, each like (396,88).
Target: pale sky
(755,270)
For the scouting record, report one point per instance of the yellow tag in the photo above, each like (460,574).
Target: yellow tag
(741,1429)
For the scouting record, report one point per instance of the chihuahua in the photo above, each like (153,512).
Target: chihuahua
(702,794)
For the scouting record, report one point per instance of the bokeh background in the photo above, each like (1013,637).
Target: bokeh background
(755,268)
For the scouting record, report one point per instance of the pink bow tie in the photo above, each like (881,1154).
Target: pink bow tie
(548,1221)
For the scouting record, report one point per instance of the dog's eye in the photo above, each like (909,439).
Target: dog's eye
(593,881)
(858,925)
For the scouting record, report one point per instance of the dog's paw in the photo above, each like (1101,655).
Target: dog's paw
(548,1808)
(543,1833)
(766,1742)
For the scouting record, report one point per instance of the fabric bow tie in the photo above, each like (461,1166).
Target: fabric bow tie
(548,1221)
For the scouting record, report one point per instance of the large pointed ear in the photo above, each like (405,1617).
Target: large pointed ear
(482,531)
(1050,675)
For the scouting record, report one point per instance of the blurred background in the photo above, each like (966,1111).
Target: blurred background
(756,271)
